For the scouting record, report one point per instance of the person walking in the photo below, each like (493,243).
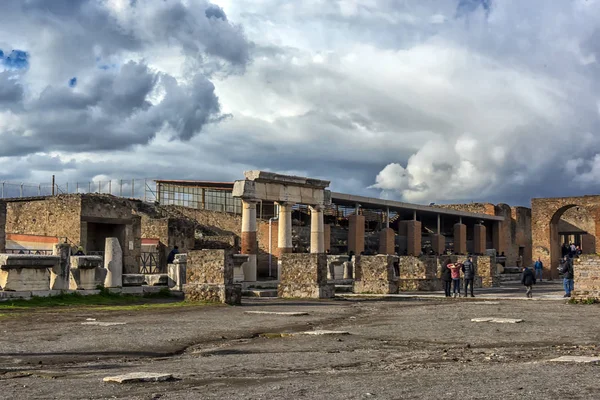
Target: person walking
(528,279)
(446,276)
(469,274)
(455,274)
(539,268)
(566,268)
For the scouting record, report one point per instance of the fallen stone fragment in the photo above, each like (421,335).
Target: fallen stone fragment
(139,377)
(577,359)
(285,313)
(311,333)
(90,319)
(498,320)
(98,323)
(324,333)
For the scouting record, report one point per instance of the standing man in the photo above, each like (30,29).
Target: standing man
(539,268)
(567,271)
(528,279)
(469,274)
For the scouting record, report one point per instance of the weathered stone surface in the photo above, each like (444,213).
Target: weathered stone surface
(238,266)
(486,269)
(133,279)
(420,285)
(210,266)
(157,279)
(387,241)
(425,267)
(586,278)
(497,320)
(356,233)
(26,272)
(576,359)
(87,273)
(228,294)
(304,276)
(375,274)
(177,272)
(324,333)
(60,273)
(135,377)
(335,266)
(113,263)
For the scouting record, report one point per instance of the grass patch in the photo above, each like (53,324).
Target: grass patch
(589,300)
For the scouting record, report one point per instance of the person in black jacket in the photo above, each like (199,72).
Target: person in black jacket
(469,274)
(446,277)
(528,279)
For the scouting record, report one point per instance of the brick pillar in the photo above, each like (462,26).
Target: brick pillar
(479,239)
(460,239)
(356,234)
(438,243)
(413,237)
(327,235)
(2,227)
(387,241)
(497,237)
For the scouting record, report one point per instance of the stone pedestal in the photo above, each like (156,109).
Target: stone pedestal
(460,239)
(479,235)
(413,238)
(335,266)
(177,272)
(113,263)
(387,241)
(209,277)
(438,243)
(239,264)
(26,272)
(317,230)
(60,274)
(356,233)
(87,273)
(375,274)
(486,269)
(304,276)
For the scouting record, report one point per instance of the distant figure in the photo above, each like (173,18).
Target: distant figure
(539,267)
(327,251)
(446,276)
(469,272)
(172,254)
(566,268)
(455,273)
(564,250)
(528,279)
(80,251)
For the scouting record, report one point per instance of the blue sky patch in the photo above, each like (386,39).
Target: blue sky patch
(466,7)
(73,82)
(17,59)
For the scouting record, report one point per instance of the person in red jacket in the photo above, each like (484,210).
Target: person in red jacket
(455,273)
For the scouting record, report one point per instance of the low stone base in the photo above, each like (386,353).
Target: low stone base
(228,294)
(376,287)
(22,279)
(87,279)
(311,291)
(431,285)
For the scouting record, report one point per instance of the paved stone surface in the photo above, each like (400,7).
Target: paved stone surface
(577,359)
(286,313)
(135,377)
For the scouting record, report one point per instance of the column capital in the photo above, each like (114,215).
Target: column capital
(285,203)
(250,200)
(316,207)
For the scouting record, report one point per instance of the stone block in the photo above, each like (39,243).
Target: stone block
(133,279)
(4,296)
(177,272)
(156,279)
(238,266)
(60,273)
(424,267)
(87,273)
(134,290)
(45,293)
(227,294)
(113,263)
(375,274)
(26,272)
(210,267)
(420,285)
(335,266)
(304,276)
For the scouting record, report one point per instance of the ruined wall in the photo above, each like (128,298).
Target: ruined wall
(375,274)
(2,227)
(104,206)
(155,228)
(304,276)
(522,238)
(58,216)
(217,242)
(209,266)
(132,254)
(576,219)
(586,277)
(479,208)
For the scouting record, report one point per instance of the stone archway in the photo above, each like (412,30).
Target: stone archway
(546,227)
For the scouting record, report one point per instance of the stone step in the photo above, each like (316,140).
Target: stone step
(344,288)
(510,277)
(260,293)
(260,285)
(512,270)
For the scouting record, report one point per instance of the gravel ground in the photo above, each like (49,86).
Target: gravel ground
(409,349)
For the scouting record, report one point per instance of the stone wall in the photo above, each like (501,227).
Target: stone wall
(217,242)
(486,269)
(2,227)
(587,277)
(210,266)
(479,208)
(304,276)
(425,267)
(375,274)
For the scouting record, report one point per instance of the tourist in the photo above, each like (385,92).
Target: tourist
(446,276)
(573,250)
(528,279)
(564,250)
(455,274)
(80,251)
(539,268)
(469,274)
(171,256)
(566,268)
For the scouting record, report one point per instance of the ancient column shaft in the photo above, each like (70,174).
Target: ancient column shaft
(317,230)
(284,228)
(249,243)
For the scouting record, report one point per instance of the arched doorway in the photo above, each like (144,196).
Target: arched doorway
(571,224)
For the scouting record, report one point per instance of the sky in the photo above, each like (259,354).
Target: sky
(441,101)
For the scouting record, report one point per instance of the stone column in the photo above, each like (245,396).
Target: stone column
(284,228)
(479,239)
(249,243)
(59,275)
(413,238)
(177,272)
(387,241)
(356,234)
(317,230)
(460,238)
(113,263)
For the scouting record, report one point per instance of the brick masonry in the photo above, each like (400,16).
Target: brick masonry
(586,277)
(387,241)
(356,233)
(2,227)
(304,276)
(375,274)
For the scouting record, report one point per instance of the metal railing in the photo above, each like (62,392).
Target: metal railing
(42,252)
